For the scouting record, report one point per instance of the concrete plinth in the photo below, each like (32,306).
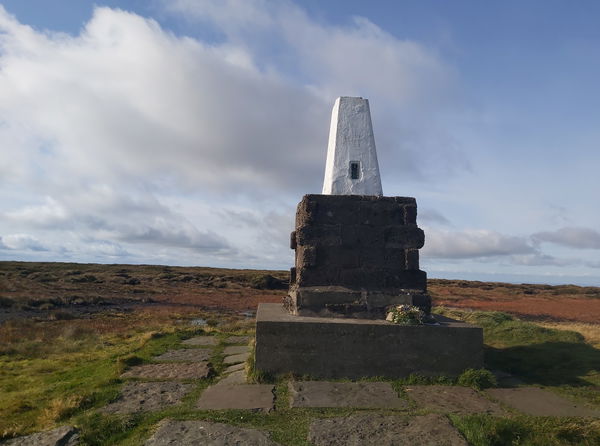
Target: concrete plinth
(353,348)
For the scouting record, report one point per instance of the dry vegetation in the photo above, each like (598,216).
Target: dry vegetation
(529,301)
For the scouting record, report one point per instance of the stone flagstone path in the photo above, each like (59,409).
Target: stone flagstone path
(385,430)
(176,373)
(452,399)
(172,432)
(539,402)
(364,395)
(147,396)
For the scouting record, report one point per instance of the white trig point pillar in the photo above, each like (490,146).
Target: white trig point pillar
(351,167)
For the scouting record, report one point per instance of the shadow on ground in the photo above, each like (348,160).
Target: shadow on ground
(547,363)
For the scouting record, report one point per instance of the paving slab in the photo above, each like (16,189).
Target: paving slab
(197,370)
(201,341)
(192,433)
(61,436)
(452,399)
(540,402)
(235,368)
(367,395)
(237,339)
(232,379)
(236,349)
(243,396)
(385,430)
(144,397)
(185,355)
(234,359)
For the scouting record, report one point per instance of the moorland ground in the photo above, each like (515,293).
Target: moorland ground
(68,331)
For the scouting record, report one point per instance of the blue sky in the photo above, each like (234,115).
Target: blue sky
(185,132)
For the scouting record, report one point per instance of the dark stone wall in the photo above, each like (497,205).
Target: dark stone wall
(357,242)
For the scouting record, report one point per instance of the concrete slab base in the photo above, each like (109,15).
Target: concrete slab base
(353,348)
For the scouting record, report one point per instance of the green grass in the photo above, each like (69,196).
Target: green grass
(537,355)
(63,372)
(486,430)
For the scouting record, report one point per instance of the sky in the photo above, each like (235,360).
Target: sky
(185,132)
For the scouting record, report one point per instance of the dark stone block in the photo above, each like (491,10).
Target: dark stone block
(322,235)
(292,275)
(306,256)
(408,279)
(404,237)
(337,256)
(410,215)
(350,235)
(293,240)
(371,235)
(412,259)
(380,213)
(318,276)
(394,258)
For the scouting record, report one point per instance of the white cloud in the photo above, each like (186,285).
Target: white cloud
(431,216)
(21,242)
(571,237)
(104,134)
(472,244)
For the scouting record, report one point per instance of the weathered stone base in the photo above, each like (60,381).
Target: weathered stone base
(337,301)
(353,348)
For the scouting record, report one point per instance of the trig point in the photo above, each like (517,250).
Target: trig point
(351,167)
(357,259)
